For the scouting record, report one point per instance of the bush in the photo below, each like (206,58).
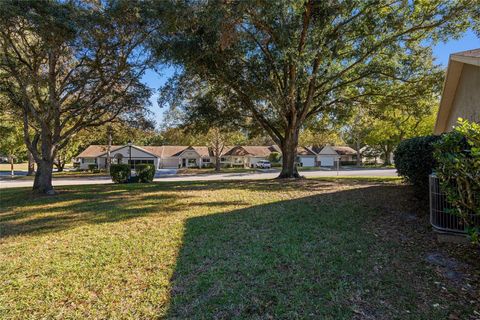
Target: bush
(145,172)
(414,162)
(92,167)
(458,168)
(120,173)
(348,163)
(276,164)
(274,157)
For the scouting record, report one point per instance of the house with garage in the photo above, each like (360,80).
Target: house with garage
(202,156)
(246,156)
(160,156)
(328,156)
(127,154)
(461,91)
(306,157)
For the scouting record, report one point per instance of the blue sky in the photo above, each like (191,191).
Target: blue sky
(441,52)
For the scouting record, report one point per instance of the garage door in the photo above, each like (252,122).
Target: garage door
(308,162)
(170,163)
(327,161)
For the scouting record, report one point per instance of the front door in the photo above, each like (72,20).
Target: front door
(184,162)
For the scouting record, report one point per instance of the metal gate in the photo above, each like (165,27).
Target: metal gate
(440,219)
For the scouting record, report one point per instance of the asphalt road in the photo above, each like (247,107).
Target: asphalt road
(7,183)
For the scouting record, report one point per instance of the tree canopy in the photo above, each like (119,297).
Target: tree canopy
(70,65)
(285,62)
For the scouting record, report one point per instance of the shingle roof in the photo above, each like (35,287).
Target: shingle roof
(256,151)
(174,151)
(95,150)
(342,150)
(316,149)
(303,151)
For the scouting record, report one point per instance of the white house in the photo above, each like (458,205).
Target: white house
(246,156)
(306,157)
(201,156)
(328,156)
(160,156)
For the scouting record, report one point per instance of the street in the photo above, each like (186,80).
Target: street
(5,183)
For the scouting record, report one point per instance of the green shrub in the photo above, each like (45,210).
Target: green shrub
(458,168)
(120,173)
(348,163)
(274,157)
(414,162)
(92,167)
(276,164)
(145,172)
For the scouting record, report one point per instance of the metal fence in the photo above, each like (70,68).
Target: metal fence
(440,219)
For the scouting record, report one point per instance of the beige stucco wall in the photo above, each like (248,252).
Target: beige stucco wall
(466,103)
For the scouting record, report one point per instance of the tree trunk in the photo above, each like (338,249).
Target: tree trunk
(388,152)
(45,162)
(31,164)
(12,171)
(108,164)
(359,156)
(217,163)
(43,177)
(289,154)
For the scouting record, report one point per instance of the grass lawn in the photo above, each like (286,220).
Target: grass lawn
(16,166)
(212,170)
(317,249)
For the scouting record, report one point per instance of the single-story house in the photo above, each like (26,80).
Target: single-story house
(160,156)
(461,91)
(328,156)
(202,156)
(306,157)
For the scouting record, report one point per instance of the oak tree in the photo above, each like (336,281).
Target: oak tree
(285,62)
(70,65)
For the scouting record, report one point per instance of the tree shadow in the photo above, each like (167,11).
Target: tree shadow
(328,256)
(23,213)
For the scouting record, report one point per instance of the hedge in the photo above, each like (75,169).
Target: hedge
(120,173)
(415,162)
(145,172)
(458,168)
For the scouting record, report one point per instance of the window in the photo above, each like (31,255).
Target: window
(206,160)
(89,160)
(222,159)
(134,162)
(192,161)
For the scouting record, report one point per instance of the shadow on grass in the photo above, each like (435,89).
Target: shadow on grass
(23,213)
(78,205)
(312,257)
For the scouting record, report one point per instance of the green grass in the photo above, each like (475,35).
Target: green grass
(319,249)
(16,166)
(212,170)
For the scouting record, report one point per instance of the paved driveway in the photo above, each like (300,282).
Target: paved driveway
(172,176)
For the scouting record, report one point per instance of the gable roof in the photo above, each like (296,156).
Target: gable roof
(255,151)
(343,150)
(304,151)
(452,78)
(95,150)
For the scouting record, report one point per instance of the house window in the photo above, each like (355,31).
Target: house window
(134,162)
(192,161)
(89,160)
(206,160)
(222,159)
